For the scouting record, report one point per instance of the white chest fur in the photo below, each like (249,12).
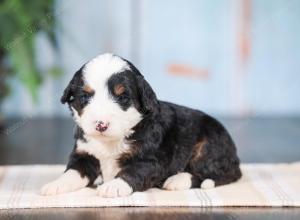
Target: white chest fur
(106,152)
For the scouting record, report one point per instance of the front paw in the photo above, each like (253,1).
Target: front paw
(55,187)
(114,188)
(68,182)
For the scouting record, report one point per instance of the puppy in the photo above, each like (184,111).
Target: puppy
(130,141)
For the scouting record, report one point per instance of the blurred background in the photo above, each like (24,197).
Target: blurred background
(238,60)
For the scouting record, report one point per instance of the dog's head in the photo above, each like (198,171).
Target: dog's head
(108,96)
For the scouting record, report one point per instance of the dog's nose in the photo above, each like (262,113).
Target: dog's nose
(101,126)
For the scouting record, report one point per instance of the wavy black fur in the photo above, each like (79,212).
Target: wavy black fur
(169,139)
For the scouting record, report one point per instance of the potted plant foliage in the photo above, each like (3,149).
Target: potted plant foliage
(20,22)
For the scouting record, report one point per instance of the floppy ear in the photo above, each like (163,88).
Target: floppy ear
(147,97)
(73,84)
(66,97)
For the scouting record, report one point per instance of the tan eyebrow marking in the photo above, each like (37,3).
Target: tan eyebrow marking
(119,89)
(87,89)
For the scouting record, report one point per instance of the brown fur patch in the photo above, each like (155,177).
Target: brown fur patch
(198,150)
(88,89)
(80,151)
(119,89)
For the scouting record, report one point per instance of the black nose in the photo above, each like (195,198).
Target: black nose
(101,126)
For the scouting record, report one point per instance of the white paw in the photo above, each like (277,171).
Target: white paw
(98,180)
(180,181)
(54,188)
(207,184)
(114,188)
(69,181)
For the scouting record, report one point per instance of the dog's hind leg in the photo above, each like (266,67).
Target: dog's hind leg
(179,181)
(208,174)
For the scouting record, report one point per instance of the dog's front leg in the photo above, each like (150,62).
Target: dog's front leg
(137,176)
(81,171)
(67,182)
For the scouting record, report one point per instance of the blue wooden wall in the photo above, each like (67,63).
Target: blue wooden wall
(226,57)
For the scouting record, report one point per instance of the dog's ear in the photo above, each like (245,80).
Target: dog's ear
(147,97)
(72,86)
(66,97)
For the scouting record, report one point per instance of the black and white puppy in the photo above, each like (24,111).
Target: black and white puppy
(132,141)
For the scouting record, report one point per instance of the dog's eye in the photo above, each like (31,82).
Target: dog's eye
(85,97)
(123,98)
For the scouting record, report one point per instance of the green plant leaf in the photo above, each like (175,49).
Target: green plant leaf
(20,21)
(55,72)
(23,63)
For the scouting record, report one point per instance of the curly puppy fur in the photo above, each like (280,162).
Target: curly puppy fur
(147,140)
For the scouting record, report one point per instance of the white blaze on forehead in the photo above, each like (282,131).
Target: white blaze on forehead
(102,106)
(98,70)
